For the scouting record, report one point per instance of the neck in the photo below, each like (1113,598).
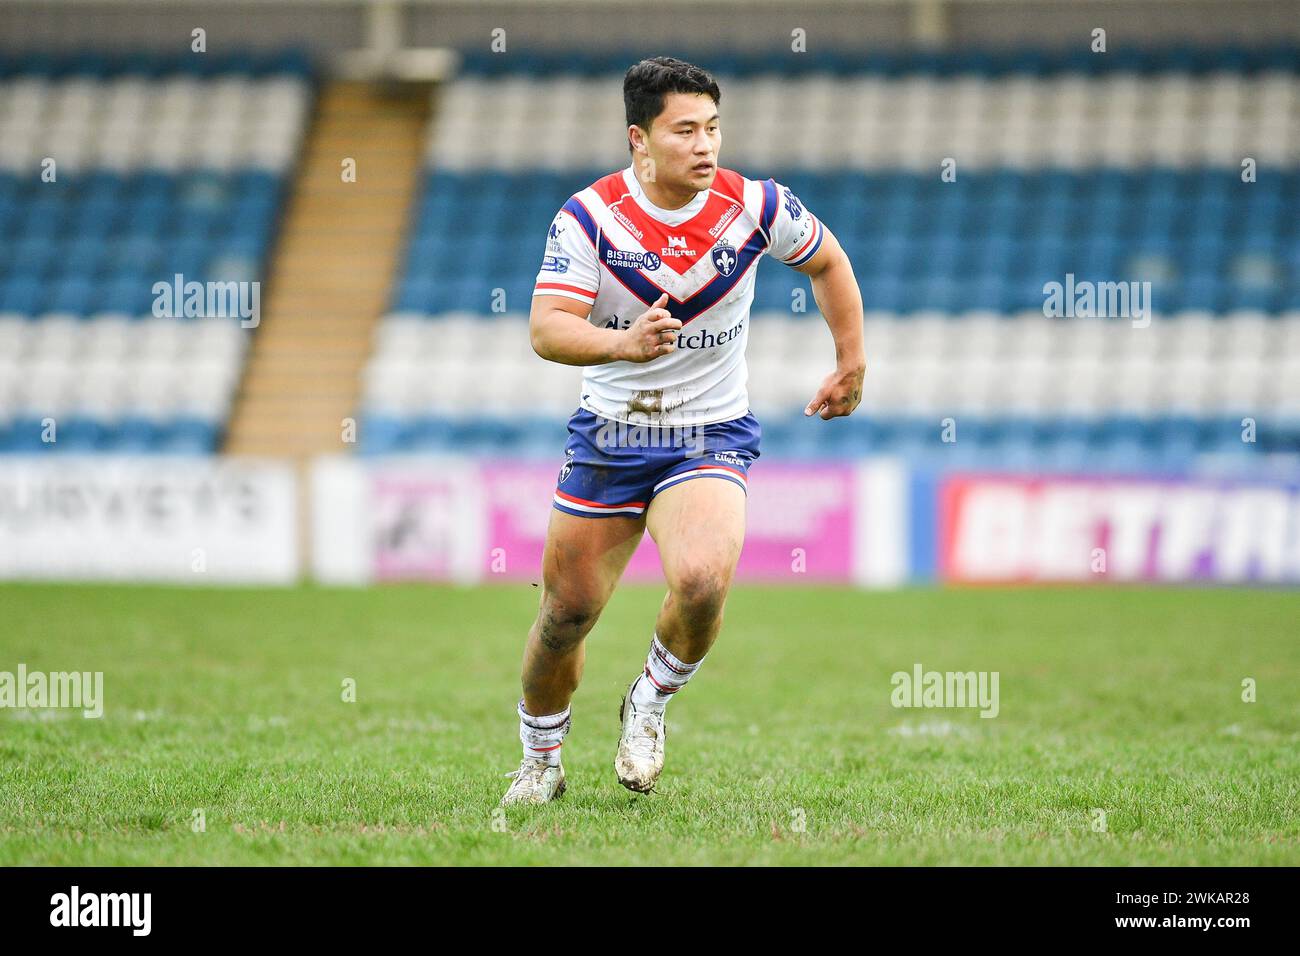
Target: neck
(665,197)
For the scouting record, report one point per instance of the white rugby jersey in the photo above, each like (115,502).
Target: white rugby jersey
(611,247)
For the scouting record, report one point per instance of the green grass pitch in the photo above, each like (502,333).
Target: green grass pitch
(785,749)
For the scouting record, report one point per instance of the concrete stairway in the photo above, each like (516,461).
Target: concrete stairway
(332,272)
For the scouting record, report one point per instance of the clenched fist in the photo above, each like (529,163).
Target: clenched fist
(652,334)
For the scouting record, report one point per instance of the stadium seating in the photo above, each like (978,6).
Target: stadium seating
(162,167)
(1177,167)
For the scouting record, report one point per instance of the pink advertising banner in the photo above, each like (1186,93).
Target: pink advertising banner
(489,520)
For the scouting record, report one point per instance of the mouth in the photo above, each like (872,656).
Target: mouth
(703,168)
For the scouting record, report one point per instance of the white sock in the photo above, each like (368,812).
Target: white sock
(542,737)
(664,675)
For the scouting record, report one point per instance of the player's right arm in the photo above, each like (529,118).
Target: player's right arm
(563,297)
(560,332)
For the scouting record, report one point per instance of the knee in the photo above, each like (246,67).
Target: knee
(701,591)
(564,619)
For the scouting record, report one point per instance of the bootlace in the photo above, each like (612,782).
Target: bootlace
(528,767)
(648,730)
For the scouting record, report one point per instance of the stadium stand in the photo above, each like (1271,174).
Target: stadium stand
(1121,167)
(163,167)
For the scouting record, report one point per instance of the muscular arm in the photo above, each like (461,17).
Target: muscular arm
(836,291)
(560,332)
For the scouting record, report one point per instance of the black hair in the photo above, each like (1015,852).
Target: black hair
(647,83)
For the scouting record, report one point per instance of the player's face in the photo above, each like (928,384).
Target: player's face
(684,142)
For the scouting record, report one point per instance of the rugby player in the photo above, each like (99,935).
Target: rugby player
(647,282)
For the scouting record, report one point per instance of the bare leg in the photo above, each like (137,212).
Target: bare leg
(699,527)
(583,561)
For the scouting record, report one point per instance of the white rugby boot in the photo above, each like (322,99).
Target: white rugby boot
(640,757)
(536,781)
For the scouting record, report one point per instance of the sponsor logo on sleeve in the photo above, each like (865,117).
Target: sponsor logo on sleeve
(792,205)
(805,230)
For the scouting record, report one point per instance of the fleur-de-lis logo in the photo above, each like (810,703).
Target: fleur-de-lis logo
(724,260)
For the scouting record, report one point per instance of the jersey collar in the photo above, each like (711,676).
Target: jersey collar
(671,217)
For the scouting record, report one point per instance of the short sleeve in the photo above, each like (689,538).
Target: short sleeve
(569,267)
(796,232)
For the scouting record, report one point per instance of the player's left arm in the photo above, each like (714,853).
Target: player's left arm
(836,290)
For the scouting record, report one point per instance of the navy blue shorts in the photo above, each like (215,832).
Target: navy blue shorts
(616,469)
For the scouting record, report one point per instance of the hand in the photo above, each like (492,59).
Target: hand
(652,334)
(839,394)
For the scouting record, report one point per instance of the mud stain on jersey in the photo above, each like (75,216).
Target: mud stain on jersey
(650,401)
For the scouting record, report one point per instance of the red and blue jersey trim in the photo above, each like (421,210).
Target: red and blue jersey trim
(809,248)
(635,281)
